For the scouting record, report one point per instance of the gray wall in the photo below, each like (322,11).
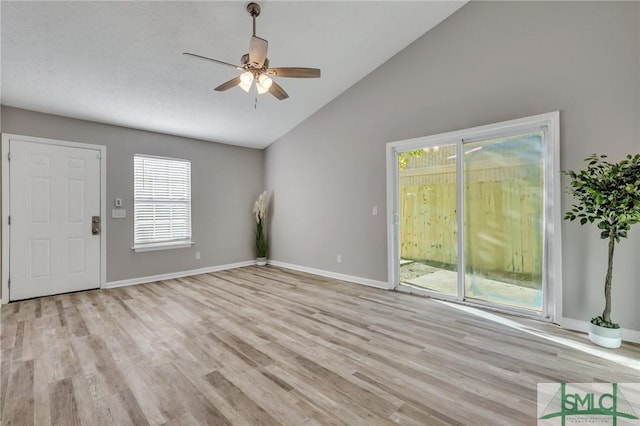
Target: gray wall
(225,181)
(489,62)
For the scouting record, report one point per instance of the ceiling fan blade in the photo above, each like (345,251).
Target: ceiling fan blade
(213,60)
(257,51)
(294,72)
(278,91)
(228,85)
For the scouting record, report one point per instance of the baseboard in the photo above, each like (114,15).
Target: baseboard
(342,277)
(628,335)
(181,274)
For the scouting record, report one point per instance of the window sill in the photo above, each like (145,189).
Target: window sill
(162,246)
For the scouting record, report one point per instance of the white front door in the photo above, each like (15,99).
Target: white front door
(54,195)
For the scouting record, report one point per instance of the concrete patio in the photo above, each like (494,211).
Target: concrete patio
(426,277)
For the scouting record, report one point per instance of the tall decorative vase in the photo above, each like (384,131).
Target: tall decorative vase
(260,211)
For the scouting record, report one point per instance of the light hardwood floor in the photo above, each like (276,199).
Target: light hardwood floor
(263,345)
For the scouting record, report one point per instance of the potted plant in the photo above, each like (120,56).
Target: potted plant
(260,211)
(607,194)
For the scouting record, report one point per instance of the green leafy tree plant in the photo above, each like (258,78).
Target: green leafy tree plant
(404,156)
(607,194)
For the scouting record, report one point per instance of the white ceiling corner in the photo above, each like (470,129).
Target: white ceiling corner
(121,62)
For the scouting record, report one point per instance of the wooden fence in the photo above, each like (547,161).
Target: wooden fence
(503,215)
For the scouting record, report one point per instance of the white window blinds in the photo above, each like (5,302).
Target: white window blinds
(162,201)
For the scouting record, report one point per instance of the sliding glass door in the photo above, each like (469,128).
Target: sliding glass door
(503,220)
(428,221)
(472,216)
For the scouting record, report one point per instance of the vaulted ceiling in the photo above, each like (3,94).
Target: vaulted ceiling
(121,63)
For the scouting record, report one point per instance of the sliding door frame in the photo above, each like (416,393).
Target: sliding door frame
(552,216)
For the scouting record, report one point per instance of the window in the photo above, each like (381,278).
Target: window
(162,203)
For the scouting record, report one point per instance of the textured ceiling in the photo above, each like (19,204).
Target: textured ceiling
(121,62)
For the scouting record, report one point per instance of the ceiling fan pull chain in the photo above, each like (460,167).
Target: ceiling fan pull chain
(255,104)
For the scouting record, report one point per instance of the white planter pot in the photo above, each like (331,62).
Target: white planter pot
(261,261)
(606,337)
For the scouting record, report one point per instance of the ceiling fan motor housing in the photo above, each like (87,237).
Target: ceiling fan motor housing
(244,60)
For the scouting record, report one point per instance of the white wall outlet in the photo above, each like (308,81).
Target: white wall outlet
(118,214)
(374,210)
(197,255)
(339,258)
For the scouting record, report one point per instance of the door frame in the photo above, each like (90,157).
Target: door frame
(552,246)
(6,196)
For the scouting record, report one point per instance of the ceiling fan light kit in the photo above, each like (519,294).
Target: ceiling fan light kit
(255,66)
(246,79)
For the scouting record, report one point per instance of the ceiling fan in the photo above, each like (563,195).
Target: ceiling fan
(255,65)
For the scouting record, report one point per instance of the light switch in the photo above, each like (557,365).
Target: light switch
(374,210)
(117,202)
(118,213)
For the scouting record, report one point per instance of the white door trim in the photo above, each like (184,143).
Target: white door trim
(6,137)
